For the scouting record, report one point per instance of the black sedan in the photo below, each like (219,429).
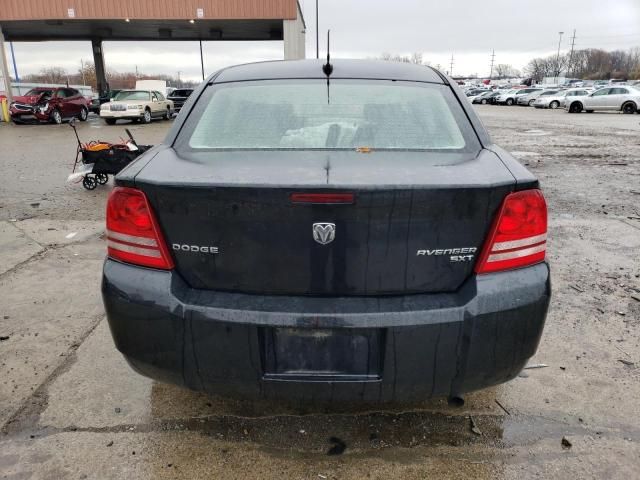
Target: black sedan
(179,96)
(327,233)
(486,97)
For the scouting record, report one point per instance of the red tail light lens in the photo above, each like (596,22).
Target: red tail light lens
(518,236)
(133,235)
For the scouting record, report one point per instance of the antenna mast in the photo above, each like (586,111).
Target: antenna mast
(327,68)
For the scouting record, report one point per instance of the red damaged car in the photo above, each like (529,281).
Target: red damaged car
(49,104)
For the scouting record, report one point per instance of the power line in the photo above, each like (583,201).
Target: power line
(573,44)
(493,56)
(616,35)
(558,57)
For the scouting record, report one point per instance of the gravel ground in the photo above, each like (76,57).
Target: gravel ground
(70,407)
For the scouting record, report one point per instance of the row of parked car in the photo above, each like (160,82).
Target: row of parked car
(57,104)
(616,97)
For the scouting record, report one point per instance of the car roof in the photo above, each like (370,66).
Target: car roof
(342,68)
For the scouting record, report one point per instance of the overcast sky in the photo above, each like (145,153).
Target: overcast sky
(468,29)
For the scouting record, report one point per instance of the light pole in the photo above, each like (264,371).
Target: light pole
(317,33)
(558,57)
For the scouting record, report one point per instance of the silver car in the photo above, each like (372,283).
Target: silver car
(511,97)
(625,99)
(552,99)
(530,98)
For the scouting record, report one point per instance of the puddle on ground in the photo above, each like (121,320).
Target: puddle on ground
(535,132)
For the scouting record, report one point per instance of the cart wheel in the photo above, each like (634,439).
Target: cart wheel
(102,178)
(89,182)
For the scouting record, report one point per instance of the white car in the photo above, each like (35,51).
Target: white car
(554,100)
(625,99)
(136,105)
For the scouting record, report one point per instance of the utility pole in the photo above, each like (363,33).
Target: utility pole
(558,57)
(451,66)
(317,33)
(179,81)
(573,44)
(201,60)
(493,56)
(82,71)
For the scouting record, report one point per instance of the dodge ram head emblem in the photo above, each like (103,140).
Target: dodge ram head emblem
(324,233)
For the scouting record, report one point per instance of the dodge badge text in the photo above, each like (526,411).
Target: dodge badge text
(194,248)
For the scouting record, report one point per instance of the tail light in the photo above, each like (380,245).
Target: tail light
(133,235)
(518,236)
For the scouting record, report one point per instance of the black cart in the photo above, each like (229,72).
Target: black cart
(105,158)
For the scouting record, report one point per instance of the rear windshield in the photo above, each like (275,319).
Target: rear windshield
(306,114)
(181,93)
(132,95)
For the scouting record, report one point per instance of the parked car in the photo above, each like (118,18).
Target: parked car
(506,95)
(485,97)
(625,99)
(327,244)
(555,100)
(573,83)
(136,105)
(471,98)
(475,91)
(510,97)
(49,104)
(104,98)
(529,98)
(179,96)
(600,84)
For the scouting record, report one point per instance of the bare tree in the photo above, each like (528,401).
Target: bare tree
(504,70)
(415,57)
(590,64)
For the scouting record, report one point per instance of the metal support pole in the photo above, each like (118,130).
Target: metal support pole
(5,69)
(98,61)
(317,33)
(15,65)
(201,60)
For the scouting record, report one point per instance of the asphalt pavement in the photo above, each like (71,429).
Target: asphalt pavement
(70,406)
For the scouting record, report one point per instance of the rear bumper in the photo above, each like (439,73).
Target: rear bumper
(122,115)
(429,345)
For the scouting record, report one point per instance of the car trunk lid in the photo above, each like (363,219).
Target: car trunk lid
(416,223)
